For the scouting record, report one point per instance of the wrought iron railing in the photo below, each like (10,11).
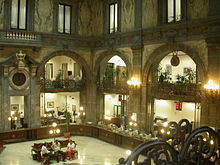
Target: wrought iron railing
(178,146)
(63,84)
(173,90)
(111,86)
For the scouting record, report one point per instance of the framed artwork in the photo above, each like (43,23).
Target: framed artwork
(186,69)
(50,104)
(169,69)
(14,107)
(73,108)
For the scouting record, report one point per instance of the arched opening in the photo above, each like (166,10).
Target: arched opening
(113,83)
(175,90)
(62,81)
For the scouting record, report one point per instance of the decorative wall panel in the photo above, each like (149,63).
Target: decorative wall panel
(44,16)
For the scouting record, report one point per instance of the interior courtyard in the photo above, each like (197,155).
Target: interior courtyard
(115,71)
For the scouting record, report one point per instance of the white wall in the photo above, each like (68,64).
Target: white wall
(167,108)
(117,61)
(185,62)
(110,101)
(60,100)
(17,100)
(58,61)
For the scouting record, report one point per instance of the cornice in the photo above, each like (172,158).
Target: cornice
(176,32)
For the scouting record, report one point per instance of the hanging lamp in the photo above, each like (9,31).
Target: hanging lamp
(175,61)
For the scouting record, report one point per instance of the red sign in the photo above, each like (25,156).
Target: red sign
(179,106)
(119,97)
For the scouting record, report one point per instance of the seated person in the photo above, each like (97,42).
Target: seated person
(57,151)
(71,149)
(45,152)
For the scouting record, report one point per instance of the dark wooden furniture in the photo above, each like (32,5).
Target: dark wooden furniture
(104,134)
(2,147)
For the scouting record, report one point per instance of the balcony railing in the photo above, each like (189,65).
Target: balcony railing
(110,86)
(19,36)
(62,85)
(186,92)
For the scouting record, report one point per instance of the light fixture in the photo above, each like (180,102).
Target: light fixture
(175,61)
(211,91)
(134,82)
(54,130)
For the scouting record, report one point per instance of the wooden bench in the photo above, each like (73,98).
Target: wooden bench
(36,149)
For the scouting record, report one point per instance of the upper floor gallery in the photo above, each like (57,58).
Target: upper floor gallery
(100,17)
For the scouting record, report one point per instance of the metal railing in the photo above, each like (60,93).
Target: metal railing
(113,86)
(179,146)
(172,90)
(63,84)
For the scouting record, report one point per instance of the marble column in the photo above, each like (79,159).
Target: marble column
(6,124)
(134,104)
(88,101)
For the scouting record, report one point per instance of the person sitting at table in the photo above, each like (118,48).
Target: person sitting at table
(71,149)
(57,151)
(46,153)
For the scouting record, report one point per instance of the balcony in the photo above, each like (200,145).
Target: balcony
(15,37)
(116,87)
(62,85)
(176,91)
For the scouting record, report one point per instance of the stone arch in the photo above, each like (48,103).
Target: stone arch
(162,51)
(106,56)
(76,57)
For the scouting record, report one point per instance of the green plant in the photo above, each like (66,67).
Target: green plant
(181,79)
(67,115)
(191,75)
(163,76)
(59,75)
(109,73)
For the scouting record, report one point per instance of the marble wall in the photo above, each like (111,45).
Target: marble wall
(1,13)
(90,20)
(43,16)
(149,13)
(197,9)
(127,15)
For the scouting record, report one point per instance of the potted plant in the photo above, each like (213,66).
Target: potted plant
(67,115)
(109,75)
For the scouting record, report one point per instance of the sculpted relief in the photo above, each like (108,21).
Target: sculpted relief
(85,18)
(127,11)
(44,16)
(90,17)
(198,8)
(149,17)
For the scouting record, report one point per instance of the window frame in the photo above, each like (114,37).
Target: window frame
(64,14)
(115,29)
(163,12)
(18,16)
(30,12)
(106,12)
(174,12)
(73,15)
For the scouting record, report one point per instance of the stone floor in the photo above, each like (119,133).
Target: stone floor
(91,152)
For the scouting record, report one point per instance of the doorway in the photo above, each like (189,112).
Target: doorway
(17,112)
